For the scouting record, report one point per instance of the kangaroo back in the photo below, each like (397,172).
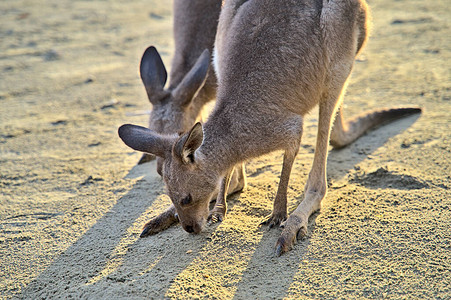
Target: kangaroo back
(195,24)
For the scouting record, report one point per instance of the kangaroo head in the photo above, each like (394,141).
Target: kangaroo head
(172,109)
(189,182)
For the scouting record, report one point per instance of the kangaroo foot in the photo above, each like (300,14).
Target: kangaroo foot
(294,228)
(160,223)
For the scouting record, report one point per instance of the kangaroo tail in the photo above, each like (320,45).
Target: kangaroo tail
(345,132)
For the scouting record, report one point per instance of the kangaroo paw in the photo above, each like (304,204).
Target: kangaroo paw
(215,216)
(275,219)
(295,228)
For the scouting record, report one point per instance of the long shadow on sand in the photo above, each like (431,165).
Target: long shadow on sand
(260,280)
(110,252)
(110,260)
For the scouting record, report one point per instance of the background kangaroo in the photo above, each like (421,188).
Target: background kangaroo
(275,61)
(192,85)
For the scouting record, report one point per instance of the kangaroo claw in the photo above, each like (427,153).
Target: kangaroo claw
(275,220)
(145,232)
(215,217)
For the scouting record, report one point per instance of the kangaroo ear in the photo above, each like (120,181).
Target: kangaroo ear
(188,143)
(194,80)
(145,140)
(153,73)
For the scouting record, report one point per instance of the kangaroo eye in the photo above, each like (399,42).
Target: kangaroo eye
(187,200)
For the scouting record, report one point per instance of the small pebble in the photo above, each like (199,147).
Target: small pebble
(51,55)
(90,79)
(110,104)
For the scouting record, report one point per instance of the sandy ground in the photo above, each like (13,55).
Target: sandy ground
(72,201)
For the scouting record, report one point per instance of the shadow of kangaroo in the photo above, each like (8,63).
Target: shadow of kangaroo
(80,268)
(275,61)
(192,85)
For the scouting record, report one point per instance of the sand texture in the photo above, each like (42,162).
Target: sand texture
(73,201)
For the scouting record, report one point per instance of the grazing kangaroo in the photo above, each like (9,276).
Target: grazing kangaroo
(192,85)
(275,61)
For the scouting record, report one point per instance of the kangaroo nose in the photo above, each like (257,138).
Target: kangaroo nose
(189,229)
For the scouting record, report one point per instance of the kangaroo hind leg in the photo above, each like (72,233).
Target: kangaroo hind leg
(315,190)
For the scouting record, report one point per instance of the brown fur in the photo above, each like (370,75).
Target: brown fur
(275,60)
